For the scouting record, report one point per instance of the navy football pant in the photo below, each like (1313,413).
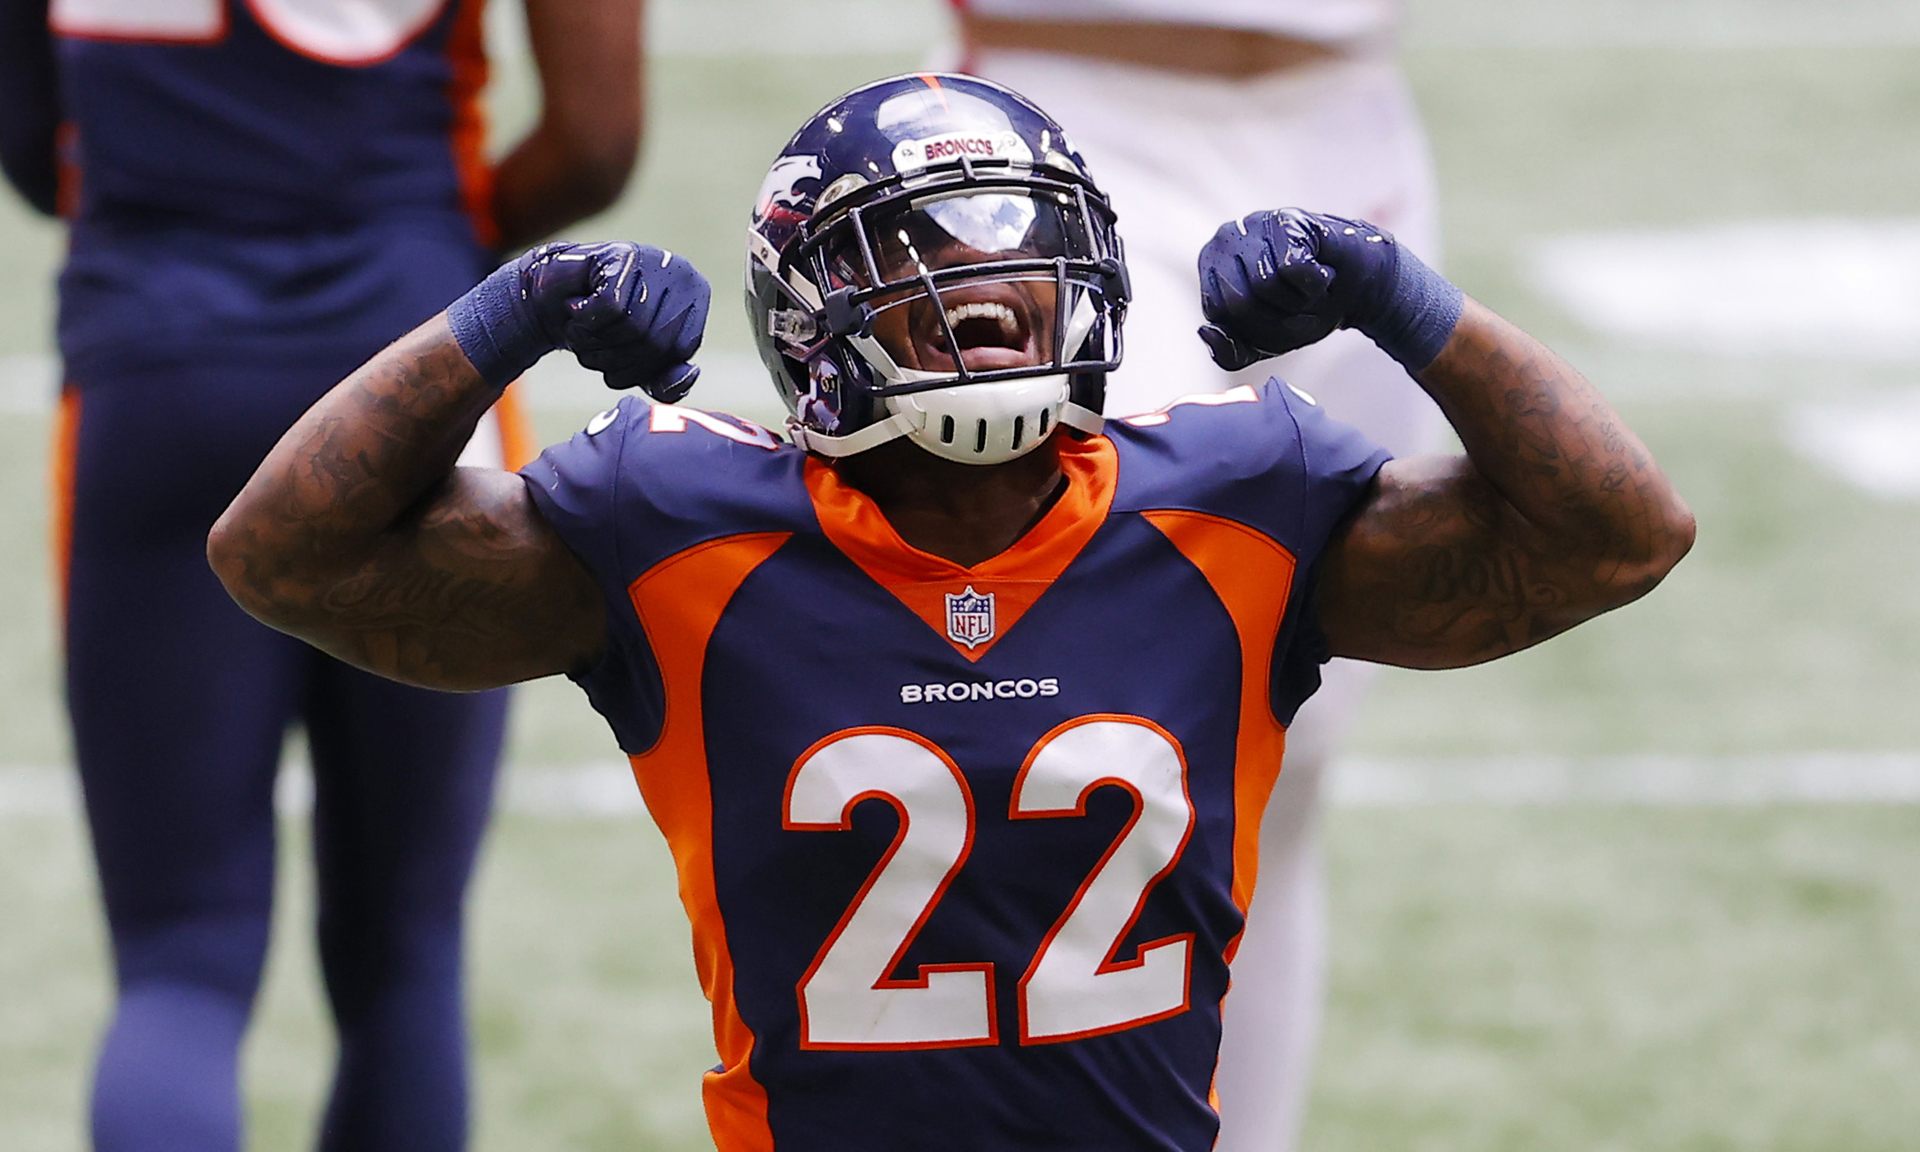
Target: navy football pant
(179,703)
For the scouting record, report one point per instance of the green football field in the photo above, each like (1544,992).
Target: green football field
(1586,966)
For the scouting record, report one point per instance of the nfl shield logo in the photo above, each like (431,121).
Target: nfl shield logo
(970,617)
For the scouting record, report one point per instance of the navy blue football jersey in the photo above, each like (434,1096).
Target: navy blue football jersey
(966,850)
(273,114)
(265,181)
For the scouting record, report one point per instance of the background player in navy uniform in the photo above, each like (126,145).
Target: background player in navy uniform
(261,195)
(959,715)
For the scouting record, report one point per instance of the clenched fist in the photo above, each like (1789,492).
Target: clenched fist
(632,312)
(1279,280)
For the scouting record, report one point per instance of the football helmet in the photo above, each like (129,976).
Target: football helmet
(929,258)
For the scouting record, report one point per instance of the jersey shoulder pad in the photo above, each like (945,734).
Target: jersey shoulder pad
(642,482)
(1267,457)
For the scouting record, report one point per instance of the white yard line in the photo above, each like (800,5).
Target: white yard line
(1718,292)
(37,791)
(1788,778)
(1871,441)
(731,380)
(28,383)
(1724,289)
(607,791)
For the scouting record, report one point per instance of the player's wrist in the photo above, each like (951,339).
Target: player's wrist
(1409,312)
(497,327)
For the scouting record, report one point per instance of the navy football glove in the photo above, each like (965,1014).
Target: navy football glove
(1281,280)
(631,312)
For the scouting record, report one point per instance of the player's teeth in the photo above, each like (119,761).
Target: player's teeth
(985,310)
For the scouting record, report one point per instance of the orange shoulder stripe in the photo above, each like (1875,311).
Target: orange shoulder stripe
(62,464)
(1253,576)
(467,53)
(517,444)
(679,602)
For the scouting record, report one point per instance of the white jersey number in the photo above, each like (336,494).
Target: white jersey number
(1074,987)
(846,998)
(345,32)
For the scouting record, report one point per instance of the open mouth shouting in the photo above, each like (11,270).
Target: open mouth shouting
(996,326)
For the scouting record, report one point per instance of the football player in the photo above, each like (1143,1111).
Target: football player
(260,196)
(960,712)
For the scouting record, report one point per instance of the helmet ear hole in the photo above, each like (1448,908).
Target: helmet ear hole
(946,429)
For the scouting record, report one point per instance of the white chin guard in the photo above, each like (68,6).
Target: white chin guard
(970,423)
(983,423)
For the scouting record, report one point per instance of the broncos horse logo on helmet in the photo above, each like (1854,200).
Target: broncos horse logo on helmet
(928,258)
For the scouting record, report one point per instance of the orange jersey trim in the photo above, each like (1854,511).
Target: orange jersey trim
(679,602)
(62,464)
(66,145)
(1017,578)
(467,52)
(1253,576)
(518,446)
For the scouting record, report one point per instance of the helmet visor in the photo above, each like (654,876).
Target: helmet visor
(911,238)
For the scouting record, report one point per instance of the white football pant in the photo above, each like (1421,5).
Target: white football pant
(1179,156)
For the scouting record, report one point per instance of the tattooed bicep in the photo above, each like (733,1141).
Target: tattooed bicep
(1437,570)
(471,589)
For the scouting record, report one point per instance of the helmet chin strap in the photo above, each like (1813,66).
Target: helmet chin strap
(872,436)
(1082,419)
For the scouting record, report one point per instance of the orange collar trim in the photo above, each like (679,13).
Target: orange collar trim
(1002,587)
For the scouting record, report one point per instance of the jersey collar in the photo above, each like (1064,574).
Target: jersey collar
(1008,583)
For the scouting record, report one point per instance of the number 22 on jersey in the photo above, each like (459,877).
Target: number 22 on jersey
(1073,987)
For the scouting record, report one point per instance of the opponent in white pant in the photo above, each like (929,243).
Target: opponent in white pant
(1180,153)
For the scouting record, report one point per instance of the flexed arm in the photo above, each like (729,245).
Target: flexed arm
(1556,513)
(358,534)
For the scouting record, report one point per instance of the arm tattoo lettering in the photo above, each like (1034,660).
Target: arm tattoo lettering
(1556,514)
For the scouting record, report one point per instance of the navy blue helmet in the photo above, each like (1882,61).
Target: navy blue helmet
(929,258)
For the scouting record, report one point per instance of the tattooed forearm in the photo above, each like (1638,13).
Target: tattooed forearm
(1556,514)
(358,535)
